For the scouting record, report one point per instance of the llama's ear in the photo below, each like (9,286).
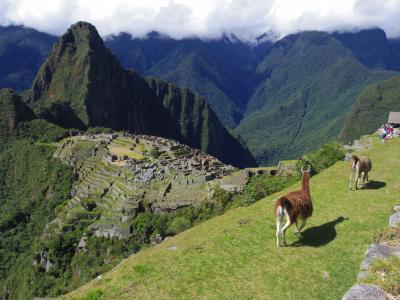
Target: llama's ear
(302,170)
(309,169)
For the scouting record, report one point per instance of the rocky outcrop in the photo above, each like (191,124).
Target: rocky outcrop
(377,251)
(394,220)
(382,250)
(365,292)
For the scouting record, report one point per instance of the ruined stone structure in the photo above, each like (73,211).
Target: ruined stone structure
(120,175)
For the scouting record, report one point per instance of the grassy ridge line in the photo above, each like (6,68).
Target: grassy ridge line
(234,255)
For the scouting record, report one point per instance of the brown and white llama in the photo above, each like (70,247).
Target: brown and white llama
(361,164)
(295,206)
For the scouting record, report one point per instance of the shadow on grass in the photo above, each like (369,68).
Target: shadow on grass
(374,185)
(319,235)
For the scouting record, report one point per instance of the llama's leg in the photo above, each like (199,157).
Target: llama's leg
(303,222)
(364,177)
(279,218)
(351,178)
(357,179)
(297,227)
(288,223)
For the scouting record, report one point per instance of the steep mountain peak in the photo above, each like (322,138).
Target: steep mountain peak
(61,91)
(79,34)
(82,84)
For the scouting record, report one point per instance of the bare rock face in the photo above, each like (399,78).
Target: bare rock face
(394,220)
(365,292)
(378,251)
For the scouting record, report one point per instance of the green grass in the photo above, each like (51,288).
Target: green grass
(234,256)
(386,273)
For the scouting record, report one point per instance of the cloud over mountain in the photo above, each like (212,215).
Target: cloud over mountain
(207,18)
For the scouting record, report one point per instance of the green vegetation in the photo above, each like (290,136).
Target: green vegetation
(310,81)
(93,295)
(235,255)
(97,130)
(181,152)
(79,86)
(271,94)
(371,109)
(155,152)
(211,68)
(386,273)
(32,184)
(323,158)
(22,50)
(72,267)
(264,185)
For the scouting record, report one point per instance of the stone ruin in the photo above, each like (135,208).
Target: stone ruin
(112,189)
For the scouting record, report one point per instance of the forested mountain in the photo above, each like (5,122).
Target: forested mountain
(372,48)
(22,51)
(371,109)
(82,84)
(273,94)
(220,70)
(310,80)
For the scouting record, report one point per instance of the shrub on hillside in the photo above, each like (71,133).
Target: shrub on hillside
(179,224)
(323,158)
(155,152)
(261,186)
(98,130)
(41,131)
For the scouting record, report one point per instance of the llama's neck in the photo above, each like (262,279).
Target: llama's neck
(305,183)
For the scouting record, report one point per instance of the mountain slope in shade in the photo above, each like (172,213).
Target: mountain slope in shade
(372,48)
(22,51)
(12,112)
(371,109)
(336,67)
(219,70)
(81,84)
(310,82)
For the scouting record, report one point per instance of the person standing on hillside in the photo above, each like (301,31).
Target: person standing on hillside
(383,133)
(389,131)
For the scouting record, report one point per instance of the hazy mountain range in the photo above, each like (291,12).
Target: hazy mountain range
(282,98)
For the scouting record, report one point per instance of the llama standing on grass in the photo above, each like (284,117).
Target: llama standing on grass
(360,164)
(294,205)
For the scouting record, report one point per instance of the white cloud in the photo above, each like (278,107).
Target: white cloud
(206,18)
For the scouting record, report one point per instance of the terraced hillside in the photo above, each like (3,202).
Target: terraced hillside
(234,256)
(122,175)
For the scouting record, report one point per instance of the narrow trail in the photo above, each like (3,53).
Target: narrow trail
(234,256)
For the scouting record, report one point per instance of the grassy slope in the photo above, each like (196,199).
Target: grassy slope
(226,258)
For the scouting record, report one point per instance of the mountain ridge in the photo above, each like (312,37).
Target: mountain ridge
(81,84)
(229,75)
(371,109)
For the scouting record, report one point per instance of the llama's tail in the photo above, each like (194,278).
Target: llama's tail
(281,205)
